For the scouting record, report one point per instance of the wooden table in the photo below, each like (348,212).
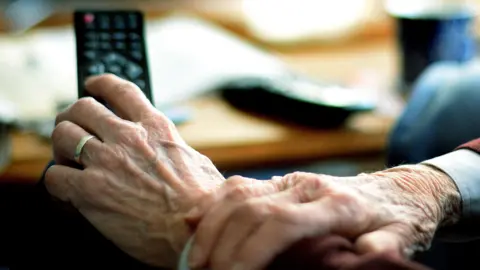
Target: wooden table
(233,139)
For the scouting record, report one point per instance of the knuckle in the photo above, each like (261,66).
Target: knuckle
(313,181)
(134,135)
(83,103)
(235,180)
(295,178)
(159,121)
(60,130)
(238,193)
(303,194)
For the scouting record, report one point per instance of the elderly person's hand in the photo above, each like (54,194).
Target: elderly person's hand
(138,178)
(394,210)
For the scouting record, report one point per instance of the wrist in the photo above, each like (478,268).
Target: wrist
(436,190)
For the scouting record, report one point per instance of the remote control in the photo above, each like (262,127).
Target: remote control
(111,42)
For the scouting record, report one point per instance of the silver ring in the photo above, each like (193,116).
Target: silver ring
(79,148)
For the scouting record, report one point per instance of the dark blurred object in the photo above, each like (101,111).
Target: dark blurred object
(338,253)
(5,145)
(426,38)
(440,114)
(296,99)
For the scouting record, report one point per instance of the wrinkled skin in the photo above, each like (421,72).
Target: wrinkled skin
(395,210)
(143,187)
(139,178)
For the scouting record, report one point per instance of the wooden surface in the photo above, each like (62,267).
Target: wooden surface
(233,139)
(236,139)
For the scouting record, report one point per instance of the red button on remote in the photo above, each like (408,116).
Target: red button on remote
(88,18)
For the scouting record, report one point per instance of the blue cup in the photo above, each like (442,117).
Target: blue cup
(426,38)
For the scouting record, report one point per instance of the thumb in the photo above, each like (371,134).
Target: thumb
(380,241)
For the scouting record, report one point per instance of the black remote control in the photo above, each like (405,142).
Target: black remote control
(111,42)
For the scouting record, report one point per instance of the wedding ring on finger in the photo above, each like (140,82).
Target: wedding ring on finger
(79,148)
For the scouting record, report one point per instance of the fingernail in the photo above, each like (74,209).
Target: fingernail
(91,79)
(195,258)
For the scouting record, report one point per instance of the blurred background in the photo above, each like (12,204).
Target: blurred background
(265,87)
(222,70)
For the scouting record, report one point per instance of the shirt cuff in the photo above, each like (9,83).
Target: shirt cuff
(183,262)
(463,166)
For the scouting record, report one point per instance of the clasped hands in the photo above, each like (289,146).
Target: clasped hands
(147,191)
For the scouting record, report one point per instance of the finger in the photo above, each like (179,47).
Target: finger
(58,181)
(212,223)
(242,223)
(245,221)
(291,225)
(124,97)
(378,241)
(253,253)
(65,138)
(91,116)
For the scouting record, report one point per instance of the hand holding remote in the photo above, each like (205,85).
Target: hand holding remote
(139,179)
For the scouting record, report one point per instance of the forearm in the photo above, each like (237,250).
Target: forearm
(434,190)
(463,168)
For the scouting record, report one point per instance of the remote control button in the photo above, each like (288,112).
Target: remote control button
(96,68)
(136,45)
(115,58)
(111,58)
(137,55)
(115,69)
(118,22)
(91,55)
(140,83)
(105,46)
(105,36)
(91,45)
(133,71)
(134,36)
(120,45)
(90,35)
(132,21)
(119,36)
(89,20)
(104,22)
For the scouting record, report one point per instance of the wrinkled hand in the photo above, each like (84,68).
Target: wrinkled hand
(139,178)
(395,210)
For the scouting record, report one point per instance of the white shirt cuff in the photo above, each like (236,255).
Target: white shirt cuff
(463,166)
(183,262)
